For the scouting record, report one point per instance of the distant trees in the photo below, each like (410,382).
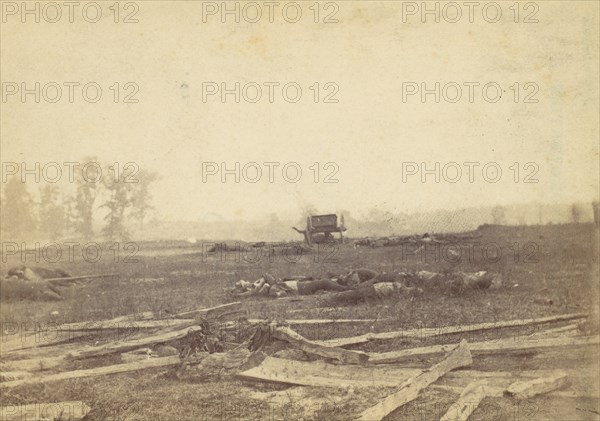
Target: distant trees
(126,196)
(18,217)
(73,211)
(117,202)
(84,199)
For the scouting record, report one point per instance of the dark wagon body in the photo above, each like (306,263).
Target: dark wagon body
(325,225)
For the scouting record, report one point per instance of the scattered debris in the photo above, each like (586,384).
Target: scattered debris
(133,325)
(485,347)
(213,312)
(321,374)
(291,354)
(196,345)
(286,334)
(446,330)
(131,343)
(528,388)
(468,401)
(222,365)
(478,390)
(320,321)
(93,372)
(409,390)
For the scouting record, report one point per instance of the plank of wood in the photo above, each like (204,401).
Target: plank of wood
(571,329)
(147,319)
(469,400)
(131,344)
(409,390)
(284,333)
(495,375)
(34,364)
(485,347)
(40,339)
(56,334)
(321,374)
(318,321)
(524,389)
(124,325)
(77,278)
(98,371)
(476,391)
(438,331)
(582,378)
(6,376)
(212,312)
(305,397)
(144,315)
(569,394)
(64,411)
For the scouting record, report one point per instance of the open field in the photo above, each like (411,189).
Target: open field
(557,263)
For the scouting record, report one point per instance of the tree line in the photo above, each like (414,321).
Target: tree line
(58,213)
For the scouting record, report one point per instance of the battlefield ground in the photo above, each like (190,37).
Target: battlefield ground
(546,270)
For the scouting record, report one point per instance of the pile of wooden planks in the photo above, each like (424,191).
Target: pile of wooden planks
(376,372)
(26,360)
(332,366)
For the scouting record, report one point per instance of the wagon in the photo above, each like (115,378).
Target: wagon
(325,225)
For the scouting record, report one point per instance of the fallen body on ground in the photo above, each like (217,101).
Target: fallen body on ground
(363,283)
(34,283)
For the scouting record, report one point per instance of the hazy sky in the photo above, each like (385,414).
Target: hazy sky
(368,133)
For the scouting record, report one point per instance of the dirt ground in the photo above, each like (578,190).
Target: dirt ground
(557,263)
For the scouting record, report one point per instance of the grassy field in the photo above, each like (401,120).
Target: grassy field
(549,262)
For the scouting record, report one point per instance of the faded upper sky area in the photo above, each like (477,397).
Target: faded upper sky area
(547,114)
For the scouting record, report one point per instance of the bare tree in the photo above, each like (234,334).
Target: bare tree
(117,202)
(82,205)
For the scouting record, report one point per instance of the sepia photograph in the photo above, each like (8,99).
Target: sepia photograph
(309,210)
